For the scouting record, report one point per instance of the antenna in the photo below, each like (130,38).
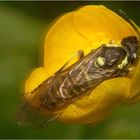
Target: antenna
(123,15)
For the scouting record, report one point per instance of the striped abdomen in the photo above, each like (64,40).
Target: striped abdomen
(65,89)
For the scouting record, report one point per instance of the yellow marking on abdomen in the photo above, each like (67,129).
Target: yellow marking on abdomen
(124,63)
(100,61)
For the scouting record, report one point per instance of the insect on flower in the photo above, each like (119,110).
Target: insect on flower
(70,83)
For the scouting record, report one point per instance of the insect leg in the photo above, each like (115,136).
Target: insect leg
(80,53)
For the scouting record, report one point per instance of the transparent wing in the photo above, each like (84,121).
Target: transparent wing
(30,112)
(31,109)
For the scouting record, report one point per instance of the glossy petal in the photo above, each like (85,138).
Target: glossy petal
(86,28)
(36,78)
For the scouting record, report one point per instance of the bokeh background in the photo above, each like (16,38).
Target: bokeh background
(23,26)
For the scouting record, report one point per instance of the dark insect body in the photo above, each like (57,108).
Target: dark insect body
(86,74)
(69,84)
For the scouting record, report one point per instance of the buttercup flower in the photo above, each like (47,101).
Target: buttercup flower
(85,29)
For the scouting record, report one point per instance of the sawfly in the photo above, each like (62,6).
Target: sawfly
(70,83)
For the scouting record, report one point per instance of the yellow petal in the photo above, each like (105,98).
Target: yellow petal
(35,79)
(86,29)
(97,23)
(62,41)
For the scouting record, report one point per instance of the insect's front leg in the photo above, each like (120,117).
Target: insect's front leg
(80,53)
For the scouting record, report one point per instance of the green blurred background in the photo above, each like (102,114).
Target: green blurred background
(23,27)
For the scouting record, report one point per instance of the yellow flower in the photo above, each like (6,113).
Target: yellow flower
(86,29)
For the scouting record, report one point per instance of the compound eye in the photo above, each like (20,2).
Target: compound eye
(129,40)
